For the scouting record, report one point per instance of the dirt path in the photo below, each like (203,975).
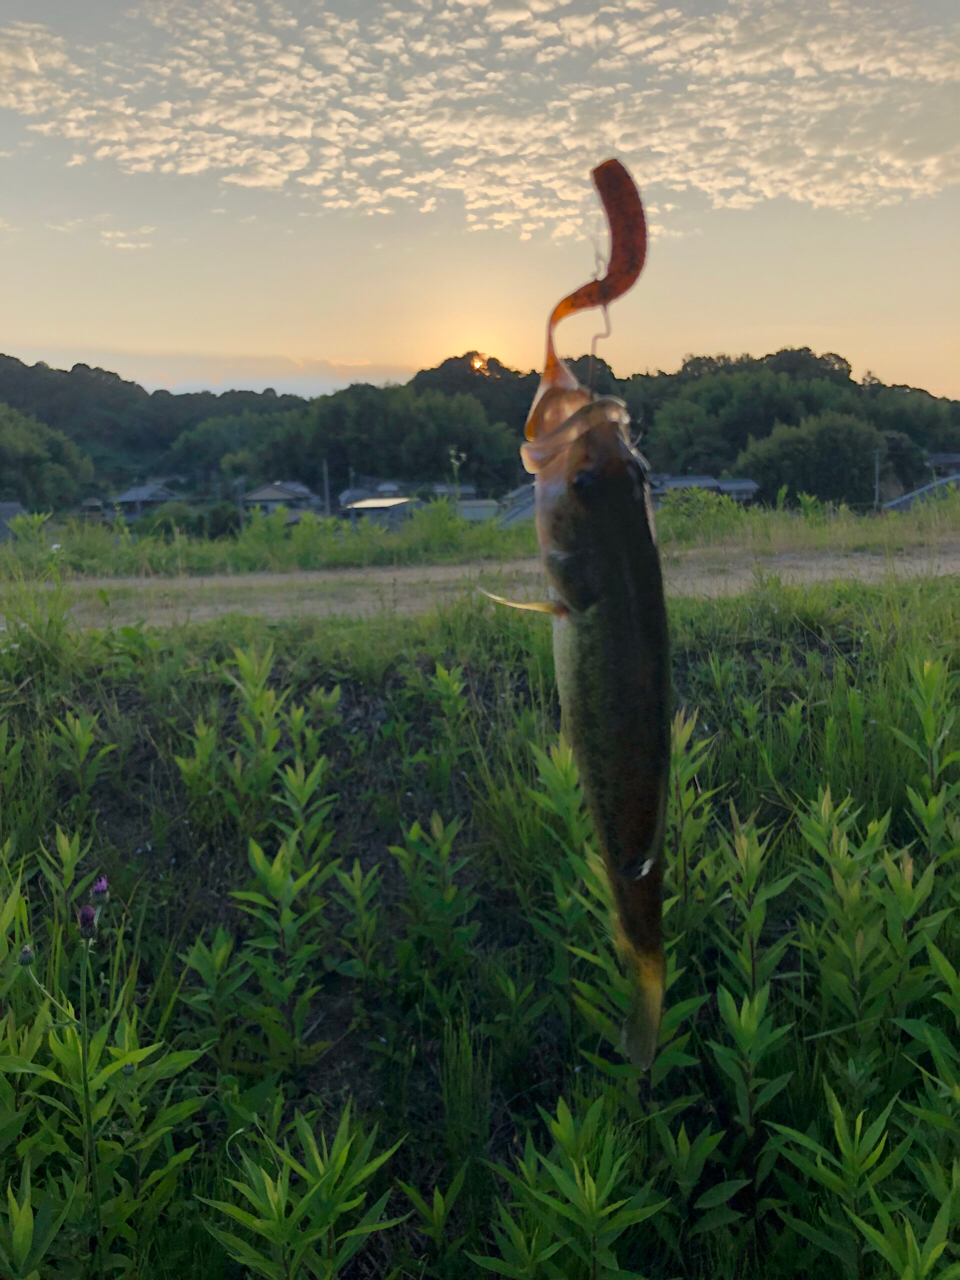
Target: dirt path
(365,592)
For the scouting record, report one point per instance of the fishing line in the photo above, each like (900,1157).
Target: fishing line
(593,346)
(599,269)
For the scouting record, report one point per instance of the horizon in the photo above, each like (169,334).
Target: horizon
(219,196)
(331,382)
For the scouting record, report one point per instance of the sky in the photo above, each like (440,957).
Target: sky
(297,194)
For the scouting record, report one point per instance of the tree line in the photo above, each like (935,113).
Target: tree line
(791,417)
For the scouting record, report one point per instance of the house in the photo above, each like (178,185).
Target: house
(9,511)
(669,483)
(943,464)
(941,488)
(306,493)
(353,494)
(517,506)
(388,512)
(739,490)
(452,490)
(288,493)
(135,501)
(479,508)
(91,509)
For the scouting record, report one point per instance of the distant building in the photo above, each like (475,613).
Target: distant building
(354,494)
(517,506)
(389,512)
(140,498)
(91,509)
(9,511)
(479,508)
(297,486)
(289,493)
(451,490)
(935,489)
(664,483)
(741,490)
(943,464)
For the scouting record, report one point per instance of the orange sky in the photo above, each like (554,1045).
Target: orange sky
(201,194)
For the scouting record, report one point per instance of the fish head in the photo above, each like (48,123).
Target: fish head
(582,465)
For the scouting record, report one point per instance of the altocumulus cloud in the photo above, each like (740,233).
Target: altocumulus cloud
(373,107)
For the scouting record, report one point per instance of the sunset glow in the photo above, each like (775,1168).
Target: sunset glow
(295,192)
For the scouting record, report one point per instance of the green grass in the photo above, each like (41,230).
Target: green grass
(436,535)
(703,519)
(354,903)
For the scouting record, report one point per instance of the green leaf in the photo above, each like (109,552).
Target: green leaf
(721,1193)
(245,1254)
(716,1218)
(21,1216)
(15,1065)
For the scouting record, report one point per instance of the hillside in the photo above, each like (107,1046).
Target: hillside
(125,430)
(791,417)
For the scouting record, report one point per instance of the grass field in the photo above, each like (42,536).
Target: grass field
(436,535)
(698,571)
(349,1005)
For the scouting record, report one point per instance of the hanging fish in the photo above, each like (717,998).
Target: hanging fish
(596,535)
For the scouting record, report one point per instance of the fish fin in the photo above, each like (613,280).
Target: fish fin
(641,1030)
(535,606)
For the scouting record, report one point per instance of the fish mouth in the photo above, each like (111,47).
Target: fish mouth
(546,452)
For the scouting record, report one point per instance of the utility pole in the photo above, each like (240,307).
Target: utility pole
(876,479)
(457,459)
(326,487)
(239,486)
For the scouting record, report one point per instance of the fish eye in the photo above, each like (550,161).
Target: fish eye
(584,481)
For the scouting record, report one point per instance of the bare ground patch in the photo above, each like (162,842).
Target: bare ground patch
(708,573)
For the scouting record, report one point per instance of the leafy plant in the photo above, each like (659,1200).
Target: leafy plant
(304,1220)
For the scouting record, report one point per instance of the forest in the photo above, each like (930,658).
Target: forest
(790,418)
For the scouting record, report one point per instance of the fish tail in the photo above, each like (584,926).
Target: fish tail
(641,1030)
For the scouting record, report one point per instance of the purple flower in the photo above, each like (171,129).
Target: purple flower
(87,921)
(26,956)
(101,894)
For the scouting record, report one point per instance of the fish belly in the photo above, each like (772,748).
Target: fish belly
(614,705)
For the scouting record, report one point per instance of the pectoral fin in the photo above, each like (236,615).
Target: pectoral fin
(553,607)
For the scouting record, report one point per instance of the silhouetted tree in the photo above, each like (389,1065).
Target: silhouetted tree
(39,467)
(830,456)
(504,393)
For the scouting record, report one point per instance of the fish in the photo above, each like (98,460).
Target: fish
(597,539)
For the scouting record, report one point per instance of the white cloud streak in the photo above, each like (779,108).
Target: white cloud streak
(837,104)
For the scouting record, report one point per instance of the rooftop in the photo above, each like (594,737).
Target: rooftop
(277,492)
(145,493)
(375,504)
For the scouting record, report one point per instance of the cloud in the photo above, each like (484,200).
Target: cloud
(836,104)
(126,239)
